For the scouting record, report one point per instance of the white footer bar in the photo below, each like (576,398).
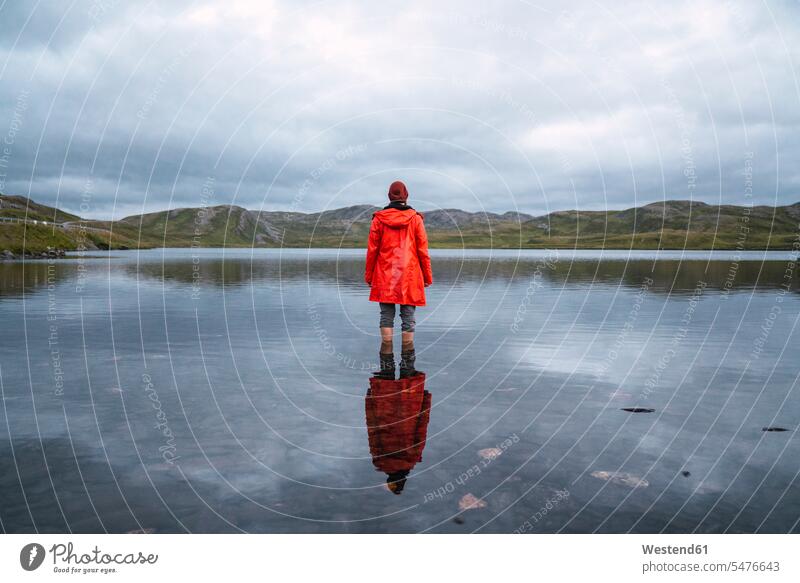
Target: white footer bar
(355,558)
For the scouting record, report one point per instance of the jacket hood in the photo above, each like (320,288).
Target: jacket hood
(395,218)
(400,205)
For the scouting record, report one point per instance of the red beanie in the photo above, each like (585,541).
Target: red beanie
(398,191)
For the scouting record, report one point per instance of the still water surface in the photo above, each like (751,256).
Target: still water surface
(225,391)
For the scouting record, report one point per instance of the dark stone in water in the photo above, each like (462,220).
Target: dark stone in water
(638,410)
(774,429)
(686,473)
(458,520)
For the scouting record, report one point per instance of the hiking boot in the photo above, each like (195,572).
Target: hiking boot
(387,366)
(407,361)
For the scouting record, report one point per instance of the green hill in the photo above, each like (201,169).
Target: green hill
(664,225)
(21,207)
(30,228)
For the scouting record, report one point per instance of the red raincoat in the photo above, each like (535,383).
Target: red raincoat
(398,262)
(397,422)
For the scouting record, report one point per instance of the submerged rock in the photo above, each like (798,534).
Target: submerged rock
(638,410)
(686,473)
(490,453)
(621,478)
(774,429)
(470,502)
(458,519)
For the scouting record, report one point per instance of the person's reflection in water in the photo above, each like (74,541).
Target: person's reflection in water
(398,412)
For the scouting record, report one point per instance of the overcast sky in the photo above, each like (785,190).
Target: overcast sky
(536,106)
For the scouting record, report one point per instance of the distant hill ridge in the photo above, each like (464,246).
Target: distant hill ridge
(444,218)
(673,224)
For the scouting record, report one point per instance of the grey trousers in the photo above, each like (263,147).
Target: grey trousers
(406,315)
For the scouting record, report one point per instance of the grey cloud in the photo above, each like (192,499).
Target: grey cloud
(515,106)
(30,25)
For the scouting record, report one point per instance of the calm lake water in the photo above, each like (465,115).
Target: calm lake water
(226,391)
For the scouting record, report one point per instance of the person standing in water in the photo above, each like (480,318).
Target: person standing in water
(398,270)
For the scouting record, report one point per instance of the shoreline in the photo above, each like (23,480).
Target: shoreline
(67,255)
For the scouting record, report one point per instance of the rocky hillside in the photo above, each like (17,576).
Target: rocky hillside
(30,229)
(666,225)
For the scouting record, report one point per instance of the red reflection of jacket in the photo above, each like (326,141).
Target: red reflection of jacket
(397,422)
(398,263)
